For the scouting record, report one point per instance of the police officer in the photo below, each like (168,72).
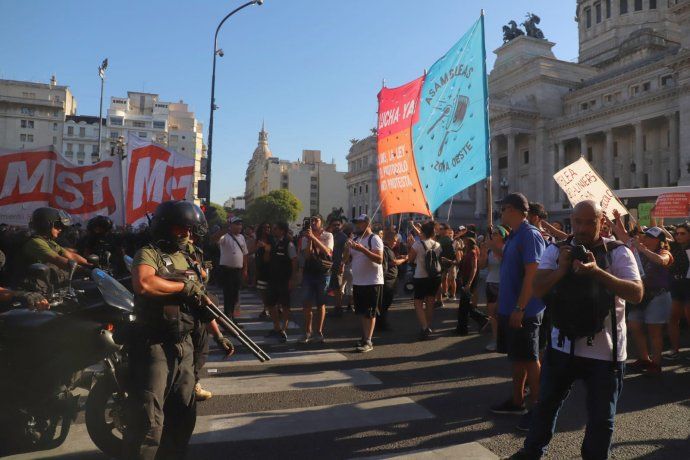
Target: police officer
(101,241)
(26,299)
(168,293)
(47,224)
(203,324)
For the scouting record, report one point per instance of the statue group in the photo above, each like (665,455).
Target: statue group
(512,30)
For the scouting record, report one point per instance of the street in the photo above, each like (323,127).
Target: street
(406,398)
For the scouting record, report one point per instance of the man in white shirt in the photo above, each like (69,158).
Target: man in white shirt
(366,254)
(233,264)
(590,359)
(317,247)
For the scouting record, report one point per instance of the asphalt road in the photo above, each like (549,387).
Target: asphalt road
(405,398)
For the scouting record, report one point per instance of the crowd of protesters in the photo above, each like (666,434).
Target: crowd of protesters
(536,277)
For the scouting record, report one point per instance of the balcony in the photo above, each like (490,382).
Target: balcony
(31,101)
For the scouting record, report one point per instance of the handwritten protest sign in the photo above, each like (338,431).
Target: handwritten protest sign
(674,204)
(581,182)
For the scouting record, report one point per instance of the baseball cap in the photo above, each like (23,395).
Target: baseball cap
(658,233)
(461,228)
(361,218)
(516,200)
(236,220)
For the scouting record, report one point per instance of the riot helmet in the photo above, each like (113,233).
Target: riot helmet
(102,222)
(171,214)
(200,230)
(45,219)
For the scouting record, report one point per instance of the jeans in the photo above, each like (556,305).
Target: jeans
(603,384)
(231,279)
(466,310)
(314,286)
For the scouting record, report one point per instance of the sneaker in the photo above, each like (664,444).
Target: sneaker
(672,355)
(306,338)
(508,407)
(318,338)
(283,337)
(365,347)
(200,394)
(264,315)
(491,347)
(525,421)
(425,334)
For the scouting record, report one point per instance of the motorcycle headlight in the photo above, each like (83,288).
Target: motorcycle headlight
(132,318)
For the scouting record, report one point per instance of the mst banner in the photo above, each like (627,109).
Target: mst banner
(155,174)
(399,186)
(35,178)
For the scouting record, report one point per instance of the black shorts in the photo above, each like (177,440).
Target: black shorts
(336,283)
(680,290)
(367,299)
(389,288)
(521,345)
(278,293)
(425,287)
(491,292)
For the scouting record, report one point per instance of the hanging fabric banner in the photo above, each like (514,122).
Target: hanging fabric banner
(155,174)
(399,188)
(35,178)
(450,140)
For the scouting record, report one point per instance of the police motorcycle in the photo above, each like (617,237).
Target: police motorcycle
(44,354)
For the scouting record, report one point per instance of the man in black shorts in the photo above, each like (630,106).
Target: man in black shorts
(337,284)
(366,254)
(281,256)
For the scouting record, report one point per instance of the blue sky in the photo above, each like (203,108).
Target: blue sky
(310,68)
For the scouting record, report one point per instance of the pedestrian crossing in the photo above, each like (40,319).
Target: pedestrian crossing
(285,375)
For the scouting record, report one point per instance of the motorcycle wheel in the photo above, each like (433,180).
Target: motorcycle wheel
(104,417)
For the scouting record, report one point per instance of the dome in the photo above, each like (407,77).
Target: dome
(262,150)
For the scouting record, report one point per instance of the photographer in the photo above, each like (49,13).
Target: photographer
(317,247)
(584,280)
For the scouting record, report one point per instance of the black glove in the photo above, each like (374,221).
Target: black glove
(193,293)
(31,300)
(226,345)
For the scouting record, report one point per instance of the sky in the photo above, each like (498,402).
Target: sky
(311,69)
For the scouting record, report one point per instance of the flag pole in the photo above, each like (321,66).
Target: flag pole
(489,179)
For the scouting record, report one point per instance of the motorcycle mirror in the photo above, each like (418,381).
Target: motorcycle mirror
(93,259)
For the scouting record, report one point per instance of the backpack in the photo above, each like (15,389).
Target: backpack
(432,261)
(390,270)
(579,304)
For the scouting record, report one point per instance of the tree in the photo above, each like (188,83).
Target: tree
(277,206)
(215,215)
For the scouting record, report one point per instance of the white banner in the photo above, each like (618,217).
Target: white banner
(581,182)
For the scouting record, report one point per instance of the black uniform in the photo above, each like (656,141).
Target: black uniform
(161,410)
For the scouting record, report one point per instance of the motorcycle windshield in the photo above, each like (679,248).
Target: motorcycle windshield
(114,293)
(128,263)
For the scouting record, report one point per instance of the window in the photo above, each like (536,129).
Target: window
(366,188)
(616,183)
(54,140)
(588,17)
(667,80)
(54,126)
(525,157)
(638,5)
(184,137)
(608,9)
(502,162)
(624,6)
(27,124)
(652,4)
(68,155)
(94,150)
(360,189)
(590,154)
(597,12)
(116,121)
(646,86)
(584,106)
(142,134)
(29,95)
(159,124)
(173,138)
(635,90)
(114,134)
(353,212)
(615,149)
(70,130)
(608,98)
(592,103)
(182,149)
(82,132)
(646,180)
(26,137)
(644,142)
(139,124)
(80,162)
(27,111)
(69,149)
(81,148)
(354,191)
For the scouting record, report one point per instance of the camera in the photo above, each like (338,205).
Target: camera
(580,252)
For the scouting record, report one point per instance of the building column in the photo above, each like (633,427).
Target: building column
(674,160)
(609,160)
(480,198)
(583,147)
(550,168)
(513,163)
(639,156)
(495,172)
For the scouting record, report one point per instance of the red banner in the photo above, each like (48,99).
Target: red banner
(399,187)
(155,174)
(672,205)
(35,178)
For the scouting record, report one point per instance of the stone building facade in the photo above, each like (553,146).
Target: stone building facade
(80,139)
(362,179)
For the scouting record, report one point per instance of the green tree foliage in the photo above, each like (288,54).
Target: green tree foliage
(277,206)
(216,215)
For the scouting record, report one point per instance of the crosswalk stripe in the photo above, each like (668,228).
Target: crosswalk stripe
(216,361)
(469,450)
(273,383)
(292,422)
(264,326)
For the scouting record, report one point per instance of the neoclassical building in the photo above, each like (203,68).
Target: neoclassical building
(625,105)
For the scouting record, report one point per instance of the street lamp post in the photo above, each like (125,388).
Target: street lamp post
(218,52)
(101,73)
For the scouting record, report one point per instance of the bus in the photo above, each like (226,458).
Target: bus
(640,201)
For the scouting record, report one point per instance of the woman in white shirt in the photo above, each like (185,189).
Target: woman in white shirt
(425,286)
(490,255)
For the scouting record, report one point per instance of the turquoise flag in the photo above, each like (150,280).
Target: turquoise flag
(451,138)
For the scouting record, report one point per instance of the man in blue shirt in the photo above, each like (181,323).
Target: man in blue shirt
(519,313)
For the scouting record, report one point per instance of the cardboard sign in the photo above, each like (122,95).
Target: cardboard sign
(581,182)
(672,205)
